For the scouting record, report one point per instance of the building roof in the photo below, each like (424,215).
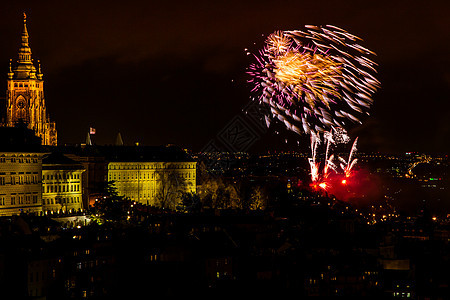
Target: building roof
(57,160)
(129,153)
(145,154)
(19,139)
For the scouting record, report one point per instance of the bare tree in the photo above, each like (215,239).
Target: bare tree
(170,184)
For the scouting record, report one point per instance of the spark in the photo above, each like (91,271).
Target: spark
(315,78)
(347,165)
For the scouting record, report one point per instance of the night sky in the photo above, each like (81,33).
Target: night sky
(163,72)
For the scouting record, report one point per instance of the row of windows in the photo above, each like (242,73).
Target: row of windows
(20,84)
(20,199)
(115,176)
(146,167)
(61,188)
(20,179)
(128,176)
(20,159)
(60,176)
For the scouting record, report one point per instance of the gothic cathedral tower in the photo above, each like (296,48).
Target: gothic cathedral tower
(25,102)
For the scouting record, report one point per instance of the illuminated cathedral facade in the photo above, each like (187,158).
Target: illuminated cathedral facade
(25,101)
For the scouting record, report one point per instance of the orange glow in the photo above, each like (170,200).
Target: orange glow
(298,69)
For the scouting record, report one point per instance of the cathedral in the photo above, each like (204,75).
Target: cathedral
(25,102)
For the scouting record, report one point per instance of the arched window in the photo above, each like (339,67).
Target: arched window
(21,109)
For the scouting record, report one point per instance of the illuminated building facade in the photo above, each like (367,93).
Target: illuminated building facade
(25,102)
(61,184)
(154,176)
(151,183)
(20,172)
(149,175)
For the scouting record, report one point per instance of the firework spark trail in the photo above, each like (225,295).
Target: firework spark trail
(328,136)
(320,178)
(314,166)
(348,165)
(314,79)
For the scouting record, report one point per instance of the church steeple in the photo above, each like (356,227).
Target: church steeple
(25,68)
(25,50)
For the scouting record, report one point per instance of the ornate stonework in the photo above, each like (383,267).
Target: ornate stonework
(25,102)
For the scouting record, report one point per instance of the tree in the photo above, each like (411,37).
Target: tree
(170,186)
(110,207)
(190,202)
(258,198)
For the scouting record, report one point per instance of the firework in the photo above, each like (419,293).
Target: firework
(319,180)
(328,136)
(347,165)
(320,176)
(315,79)
(313,164)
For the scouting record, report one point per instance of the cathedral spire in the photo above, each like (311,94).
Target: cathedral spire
(24,68)
(25,50)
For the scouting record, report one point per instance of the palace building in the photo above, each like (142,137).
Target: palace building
(155,176)
(25,102)
(153,183)
(20,172)
(61,184)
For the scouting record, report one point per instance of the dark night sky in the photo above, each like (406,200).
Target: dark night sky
(174,72)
